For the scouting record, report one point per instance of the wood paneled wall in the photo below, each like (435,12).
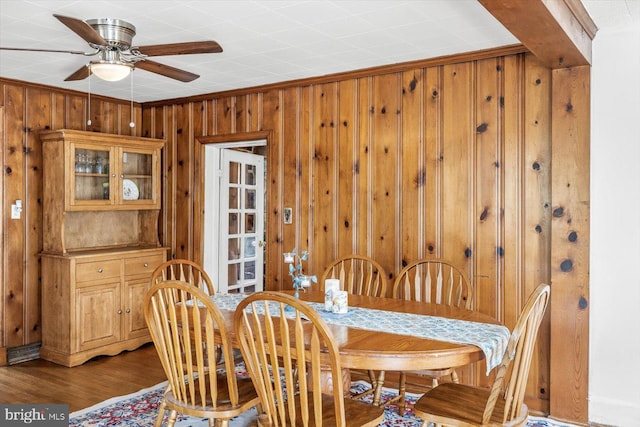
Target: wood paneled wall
(447,160)
(570,242)
(27,110)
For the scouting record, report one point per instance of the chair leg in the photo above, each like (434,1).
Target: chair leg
(402,390)
(376,386)
(161,410)
(399,400)
(372,379)
(454,377)
(377,392)
(264,420)
(173,416)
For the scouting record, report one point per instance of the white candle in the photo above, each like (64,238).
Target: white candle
(340,302)
(330,286)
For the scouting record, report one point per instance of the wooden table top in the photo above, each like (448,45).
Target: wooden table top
(367,349)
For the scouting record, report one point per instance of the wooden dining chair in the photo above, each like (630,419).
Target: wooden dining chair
(277,332)
(502,404)
(435,281)
(181,317)
(360,275)
(186,271)
(190,272)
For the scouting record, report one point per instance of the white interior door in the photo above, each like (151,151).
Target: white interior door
(241,222)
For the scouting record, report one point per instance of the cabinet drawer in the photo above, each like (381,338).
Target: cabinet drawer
(142,265)
(97,270)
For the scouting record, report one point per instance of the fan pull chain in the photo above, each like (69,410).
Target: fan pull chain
(89,103)
(132,123)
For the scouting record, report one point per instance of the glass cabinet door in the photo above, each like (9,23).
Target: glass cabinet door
(137,175)
(91,175)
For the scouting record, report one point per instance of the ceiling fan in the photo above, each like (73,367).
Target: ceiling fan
(116,57)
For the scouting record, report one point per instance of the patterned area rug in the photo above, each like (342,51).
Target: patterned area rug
(140,409)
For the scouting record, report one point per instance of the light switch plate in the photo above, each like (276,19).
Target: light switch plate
(15,211)
(288,215)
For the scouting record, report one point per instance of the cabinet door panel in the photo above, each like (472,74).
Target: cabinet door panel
(134,323)
(139,175)
(97,316)
(89,176)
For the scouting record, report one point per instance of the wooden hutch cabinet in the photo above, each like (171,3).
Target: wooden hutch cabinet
(100,245)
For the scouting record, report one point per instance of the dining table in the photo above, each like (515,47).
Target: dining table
(390,334)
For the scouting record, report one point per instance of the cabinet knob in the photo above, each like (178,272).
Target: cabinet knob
(128,310)
(121,175)
(120,311)
(113,175)
(146,264)
(100,270)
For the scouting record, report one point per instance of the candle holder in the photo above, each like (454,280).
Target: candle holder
(300,280)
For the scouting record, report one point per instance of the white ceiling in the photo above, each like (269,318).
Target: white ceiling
(264,41)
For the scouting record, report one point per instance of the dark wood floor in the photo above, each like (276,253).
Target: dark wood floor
(101,378)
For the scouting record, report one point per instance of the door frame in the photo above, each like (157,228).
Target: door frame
(231,140)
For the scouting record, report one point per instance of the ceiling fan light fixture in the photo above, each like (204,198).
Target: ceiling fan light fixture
(112,40)
(110,71)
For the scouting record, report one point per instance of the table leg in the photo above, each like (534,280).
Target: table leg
(326,380)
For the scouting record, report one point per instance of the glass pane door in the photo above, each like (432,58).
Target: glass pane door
(241,227)
(91,173)
(136,174)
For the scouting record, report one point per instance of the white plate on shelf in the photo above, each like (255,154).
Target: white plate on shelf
(129,190)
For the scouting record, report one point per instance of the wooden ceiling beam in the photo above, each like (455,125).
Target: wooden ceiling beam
(557,32)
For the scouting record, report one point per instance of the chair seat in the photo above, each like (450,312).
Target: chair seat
(462,405)
(357,413)
(246,392)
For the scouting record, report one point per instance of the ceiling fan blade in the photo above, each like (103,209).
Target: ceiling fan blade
(81,73)
(166,70)
(82,29)
(186,48)
(75,52)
